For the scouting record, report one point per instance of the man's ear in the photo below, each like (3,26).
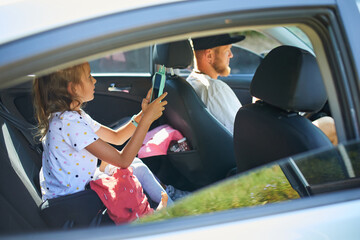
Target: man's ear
(209,55)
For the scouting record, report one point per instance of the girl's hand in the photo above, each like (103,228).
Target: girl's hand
(146,101)
(155,109)
(164,200)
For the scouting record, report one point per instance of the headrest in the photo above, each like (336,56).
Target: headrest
(289,78)
(173,55)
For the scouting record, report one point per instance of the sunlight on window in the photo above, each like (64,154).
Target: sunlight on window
(130,62)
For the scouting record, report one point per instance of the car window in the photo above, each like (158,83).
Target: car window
(263,186)
(123,63)
(303,175)
(244,61)
(258,42)
(300,34)
(332,170)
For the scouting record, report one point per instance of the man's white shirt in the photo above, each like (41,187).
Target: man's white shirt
(219,98)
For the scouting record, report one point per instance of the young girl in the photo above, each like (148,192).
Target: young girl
(73,142)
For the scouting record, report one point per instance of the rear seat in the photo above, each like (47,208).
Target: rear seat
(20,195)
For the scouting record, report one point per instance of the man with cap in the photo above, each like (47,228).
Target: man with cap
(212,58)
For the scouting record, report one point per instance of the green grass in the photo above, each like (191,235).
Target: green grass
(265,186)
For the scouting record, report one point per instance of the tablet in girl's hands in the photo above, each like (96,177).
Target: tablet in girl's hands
(158,84)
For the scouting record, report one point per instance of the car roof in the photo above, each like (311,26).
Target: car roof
(33,41)
(21,18)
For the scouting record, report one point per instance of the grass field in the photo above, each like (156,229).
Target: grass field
(267,185)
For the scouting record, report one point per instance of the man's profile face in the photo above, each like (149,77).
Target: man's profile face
(222,60)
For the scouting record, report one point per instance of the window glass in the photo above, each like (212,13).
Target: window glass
(301,35)
(135,61)
(322,168)
(264,186)
(304,175)
(258,43)
(244,61)
(332,170)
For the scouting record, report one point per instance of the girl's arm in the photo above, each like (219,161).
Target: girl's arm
(124,158)
(119,136)
(122,134)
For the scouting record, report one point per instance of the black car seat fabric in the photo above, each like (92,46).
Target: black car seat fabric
(288,81)
(20,195)
(81,209)
(212,155)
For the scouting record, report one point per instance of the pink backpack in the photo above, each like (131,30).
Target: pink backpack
(123,196)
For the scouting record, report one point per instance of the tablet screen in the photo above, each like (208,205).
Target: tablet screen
(156,87)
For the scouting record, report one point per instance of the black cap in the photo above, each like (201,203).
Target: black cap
(215,41)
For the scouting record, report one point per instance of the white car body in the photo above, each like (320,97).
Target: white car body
(142,23)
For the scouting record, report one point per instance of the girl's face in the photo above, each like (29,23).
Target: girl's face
(85,90)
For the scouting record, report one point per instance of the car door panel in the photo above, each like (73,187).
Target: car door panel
(124,102)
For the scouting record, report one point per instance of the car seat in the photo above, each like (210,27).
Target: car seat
(21,204)
(288,81)
(212,155)
(20,195)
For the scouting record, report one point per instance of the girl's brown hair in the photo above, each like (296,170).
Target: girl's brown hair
(50,94)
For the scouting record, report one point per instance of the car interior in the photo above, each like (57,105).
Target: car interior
(214,153)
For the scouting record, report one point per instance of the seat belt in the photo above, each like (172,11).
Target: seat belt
(25,128)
